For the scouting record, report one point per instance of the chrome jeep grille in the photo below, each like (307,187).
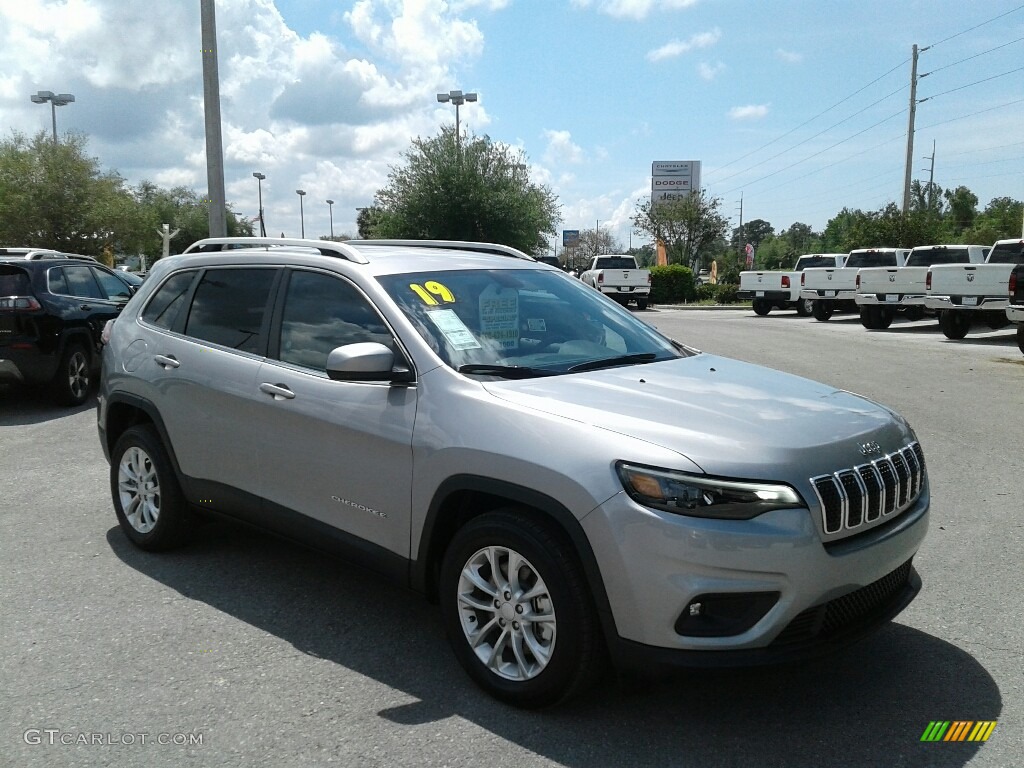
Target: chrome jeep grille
(852,498)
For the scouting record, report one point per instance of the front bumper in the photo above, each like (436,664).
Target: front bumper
(657,565)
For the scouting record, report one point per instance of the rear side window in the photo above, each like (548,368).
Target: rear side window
(229,308)
(168,300)
(322,312)
(81,283)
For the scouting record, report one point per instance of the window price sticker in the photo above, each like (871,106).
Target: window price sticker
(453,329)
(499,316)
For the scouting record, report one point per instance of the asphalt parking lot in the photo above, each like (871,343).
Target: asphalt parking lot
(241,650)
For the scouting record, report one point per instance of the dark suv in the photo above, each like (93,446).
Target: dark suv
(52,310)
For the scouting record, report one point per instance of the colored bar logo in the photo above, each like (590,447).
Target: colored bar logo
(958,730)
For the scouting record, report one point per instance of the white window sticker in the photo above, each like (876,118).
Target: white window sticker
(454,330)
(537,324)
(499,316)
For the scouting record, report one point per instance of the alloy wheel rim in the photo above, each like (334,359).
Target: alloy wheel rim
(138,488)
(506,613)
(78,375)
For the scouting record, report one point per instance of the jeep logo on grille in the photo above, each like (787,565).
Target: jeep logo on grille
(870,449)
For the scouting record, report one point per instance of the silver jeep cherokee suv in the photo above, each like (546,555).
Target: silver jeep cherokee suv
(563,479)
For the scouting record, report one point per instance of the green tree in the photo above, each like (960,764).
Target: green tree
(754,232)
(688,227)
(963,209)
(465,189)
(182,209)
(1003,218)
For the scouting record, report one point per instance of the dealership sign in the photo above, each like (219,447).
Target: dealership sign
(673,180)
(570,238)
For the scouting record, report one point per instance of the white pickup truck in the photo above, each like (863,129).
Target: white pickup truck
(884,291)
(1015,312)
(768,290)
(618,277)
(833,289)
(961,293)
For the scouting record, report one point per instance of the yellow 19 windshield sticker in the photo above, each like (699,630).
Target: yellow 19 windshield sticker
(453,329)
(433,293)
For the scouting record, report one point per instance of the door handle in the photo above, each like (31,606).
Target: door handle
(277,391)
(166,361)
(85,307)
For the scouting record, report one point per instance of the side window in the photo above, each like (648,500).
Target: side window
(81,283)
(163,308)
(111,286)
(229,307)
(56,283)
(322,312)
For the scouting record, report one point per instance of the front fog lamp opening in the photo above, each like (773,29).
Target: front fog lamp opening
(704,496)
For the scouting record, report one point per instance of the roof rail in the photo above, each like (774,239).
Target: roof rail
(462,245)
(324,247)
(38,255)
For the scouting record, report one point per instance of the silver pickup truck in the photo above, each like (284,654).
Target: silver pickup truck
(884,291)
(963,293)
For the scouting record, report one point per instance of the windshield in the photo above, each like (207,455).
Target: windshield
(872,259)
(929,257)
(522,323)
(1007,253)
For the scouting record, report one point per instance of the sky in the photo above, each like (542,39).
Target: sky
(794,108)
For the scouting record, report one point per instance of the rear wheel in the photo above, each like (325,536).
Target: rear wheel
(762,307)
(148,501)
(869,318)
(996,319)
(954,324)
(804,307)
(822,310)
(72,382)
(641,303)
(517,610)
(883,318)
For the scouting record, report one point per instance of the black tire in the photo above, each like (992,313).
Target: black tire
(822,311)
(996,319)
(867,317)
(157,517)
(914,313)
(762,307)
(954,324)
(883,318)
(804,307)
(73,381)
(641,303)
(573,635)
(1020,337)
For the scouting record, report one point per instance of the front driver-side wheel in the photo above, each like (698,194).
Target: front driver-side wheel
(72,382)
(517,610)
(804,307)
(147,499)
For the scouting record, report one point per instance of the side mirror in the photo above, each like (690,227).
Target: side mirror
(365,361)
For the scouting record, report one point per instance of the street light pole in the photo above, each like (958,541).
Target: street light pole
(56,100)
(330,210)
(458,98)
(259,184)
(302,216)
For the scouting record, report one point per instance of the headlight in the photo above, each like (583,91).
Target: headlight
(704,496)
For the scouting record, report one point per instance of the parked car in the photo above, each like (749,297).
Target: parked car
(562,478)
(768,290)
(963,293)
(834,289)
(884,291)
(52,310)
(618,277)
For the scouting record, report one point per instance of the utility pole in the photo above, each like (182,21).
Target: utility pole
(910,131)
(739,236)
(211,100)
(931,174)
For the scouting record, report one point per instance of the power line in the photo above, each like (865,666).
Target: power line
(972,114)
(970,85)
(990,50)
(976,26)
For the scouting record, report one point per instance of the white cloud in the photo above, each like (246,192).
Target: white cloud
(710,71)
(749,112)
(633,9)
(561,149)
(791,57)
(679,47)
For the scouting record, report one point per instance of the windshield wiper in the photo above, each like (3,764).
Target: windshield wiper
(504,371)
(609,362)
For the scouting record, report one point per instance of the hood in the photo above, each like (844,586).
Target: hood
(730,418)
